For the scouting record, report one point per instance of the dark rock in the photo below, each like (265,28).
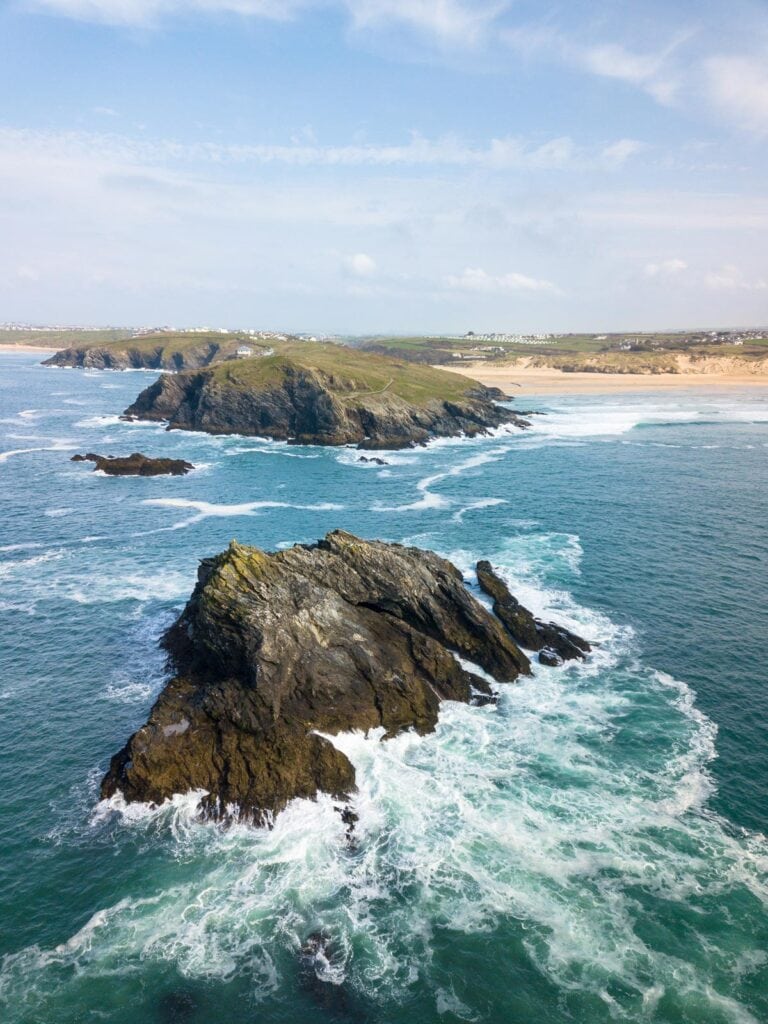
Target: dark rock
(524,628)
(375,460)
(302,405)
(136,465)
(274,650)
(549,657)
(161,355)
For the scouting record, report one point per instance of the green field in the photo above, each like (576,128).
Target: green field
(640,353)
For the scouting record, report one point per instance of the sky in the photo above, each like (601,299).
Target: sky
(375,166)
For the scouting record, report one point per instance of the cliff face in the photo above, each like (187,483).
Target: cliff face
(274,649)
(308,406)
(126,356)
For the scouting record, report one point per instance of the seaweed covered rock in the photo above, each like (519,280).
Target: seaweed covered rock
(274,652)
(135,464)
(554,643)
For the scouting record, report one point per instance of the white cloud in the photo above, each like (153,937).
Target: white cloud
(652,71)
(617,153)
(448,21)
(667,268)
(738,86)
(146,12)
(360,264)
(731,278)
(645,70)
(475,279)
(454,21)
(498,154)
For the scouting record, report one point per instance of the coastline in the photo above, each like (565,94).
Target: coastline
(26,348)
(522,380)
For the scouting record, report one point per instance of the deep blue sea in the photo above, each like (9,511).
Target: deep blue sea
(589,850)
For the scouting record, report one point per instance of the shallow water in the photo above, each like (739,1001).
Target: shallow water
(589,850)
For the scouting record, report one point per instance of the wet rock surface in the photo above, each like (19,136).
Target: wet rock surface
(275,652)
(554,643)
(135,464)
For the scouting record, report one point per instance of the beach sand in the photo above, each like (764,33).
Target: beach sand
(537,380)
(28,348)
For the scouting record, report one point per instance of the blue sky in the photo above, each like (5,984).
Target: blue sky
(384,165)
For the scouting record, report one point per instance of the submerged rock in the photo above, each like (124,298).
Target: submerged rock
(136,464)
(274,652)
(554,643)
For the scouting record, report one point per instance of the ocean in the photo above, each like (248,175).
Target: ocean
(591,849)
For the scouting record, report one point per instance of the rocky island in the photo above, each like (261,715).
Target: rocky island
(135,464)
(274,652)
(325,394)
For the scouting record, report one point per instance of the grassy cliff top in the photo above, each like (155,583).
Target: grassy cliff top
(181,341)
(353,373)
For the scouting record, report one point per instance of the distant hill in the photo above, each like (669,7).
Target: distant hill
(589,353)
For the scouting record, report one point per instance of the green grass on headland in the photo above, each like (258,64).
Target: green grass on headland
(351,372)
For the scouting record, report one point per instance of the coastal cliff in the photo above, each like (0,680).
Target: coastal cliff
(162,351)
(325,394)
(275,651)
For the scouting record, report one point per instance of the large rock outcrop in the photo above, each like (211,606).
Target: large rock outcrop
(304,404)
(275,650)
(135,464)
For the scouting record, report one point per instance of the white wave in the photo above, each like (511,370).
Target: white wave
(574,419)
(430,500)
(458,517)
(58,513)
(64,446)
(22,566)
(108,588)
(207,509)
(276,448)
(129,693)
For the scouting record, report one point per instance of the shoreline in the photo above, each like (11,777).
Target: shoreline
(27,348)
(529,380)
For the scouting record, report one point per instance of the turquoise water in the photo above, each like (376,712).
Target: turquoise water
(589,850)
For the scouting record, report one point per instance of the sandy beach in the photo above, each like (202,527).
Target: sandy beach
(537,380)
(27,348)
